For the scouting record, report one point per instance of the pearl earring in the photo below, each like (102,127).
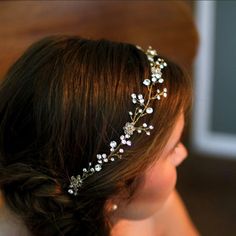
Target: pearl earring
(114,207)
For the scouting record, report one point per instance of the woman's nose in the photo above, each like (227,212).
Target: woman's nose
(181,153)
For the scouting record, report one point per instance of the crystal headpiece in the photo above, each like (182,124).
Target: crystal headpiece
(142,108)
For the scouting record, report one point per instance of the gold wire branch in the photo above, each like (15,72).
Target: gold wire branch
(143,109)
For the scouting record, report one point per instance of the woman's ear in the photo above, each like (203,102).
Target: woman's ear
(111,206)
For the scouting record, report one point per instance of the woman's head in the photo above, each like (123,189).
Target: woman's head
(158,182)
(61,103)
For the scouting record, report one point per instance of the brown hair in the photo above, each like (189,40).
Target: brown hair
(61,103)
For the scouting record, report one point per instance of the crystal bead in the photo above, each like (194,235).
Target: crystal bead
(123,141)
(112,159)
(113,144)
(146,82)
(140,110)
(130,113)
(151,127)
(140,96)
(154,79)
(100,161)
(104,155)
(84,170)
(105,160)
(127,136)
(152,52)
(99,156)
(133,95)
(149,110)
(70,191)
(139,47)
(128,142)
(161,81)
(148,133)
(165,89)
(150,58)
(121,150)
(98,167)
(158,74)
(139,131)
(144,125)
(141,101)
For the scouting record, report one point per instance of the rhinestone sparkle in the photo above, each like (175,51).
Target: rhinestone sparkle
(98,167)
(149,110)
(143,107)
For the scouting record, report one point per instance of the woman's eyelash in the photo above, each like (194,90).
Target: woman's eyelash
(176,146)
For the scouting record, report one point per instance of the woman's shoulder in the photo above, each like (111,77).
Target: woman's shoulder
(10,224)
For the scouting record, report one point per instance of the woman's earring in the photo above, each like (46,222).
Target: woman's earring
(114,207)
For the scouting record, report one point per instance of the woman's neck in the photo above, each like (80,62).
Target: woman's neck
(10,223)
(138,228)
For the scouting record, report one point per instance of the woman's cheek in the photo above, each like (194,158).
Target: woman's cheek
(151,196)
(159,182)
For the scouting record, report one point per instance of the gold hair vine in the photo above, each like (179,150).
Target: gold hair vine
(143,108)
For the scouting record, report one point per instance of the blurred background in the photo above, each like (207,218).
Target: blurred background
(199,36)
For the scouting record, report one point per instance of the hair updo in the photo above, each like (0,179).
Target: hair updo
(61,103)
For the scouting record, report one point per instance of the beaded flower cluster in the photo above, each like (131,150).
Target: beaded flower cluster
(142,108)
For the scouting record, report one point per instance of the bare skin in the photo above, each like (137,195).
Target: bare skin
(157,209)
(171,220)
(10,224)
